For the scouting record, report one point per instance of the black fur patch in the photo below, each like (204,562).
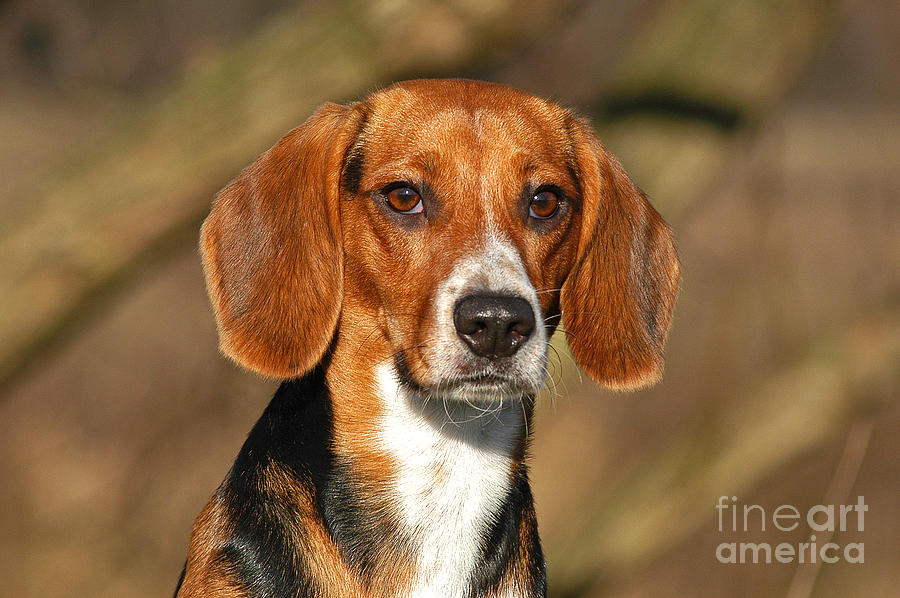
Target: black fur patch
(295,432)
(366,535)
(501,547)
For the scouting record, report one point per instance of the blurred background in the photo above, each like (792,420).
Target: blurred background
(766,132)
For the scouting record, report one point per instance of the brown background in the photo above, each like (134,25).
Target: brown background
(768,133)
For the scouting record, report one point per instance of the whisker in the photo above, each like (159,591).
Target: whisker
(524,417)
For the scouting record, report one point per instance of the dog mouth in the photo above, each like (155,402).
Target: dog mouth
(487,384)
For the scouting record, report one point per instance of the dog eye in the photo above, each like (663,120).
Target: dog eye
(543,205)
(405,200)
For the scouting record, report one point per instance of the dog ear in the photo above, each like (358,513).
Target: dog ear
(617,299)
(271,249)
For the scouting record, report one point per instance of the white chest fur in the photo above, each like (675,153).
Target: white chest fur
(454,472)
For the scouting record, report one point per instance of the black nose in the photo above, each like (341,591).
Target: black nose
(493,326)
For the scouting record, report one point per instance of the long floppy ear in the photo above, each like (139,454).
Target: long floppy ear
(617,299)
(272,253)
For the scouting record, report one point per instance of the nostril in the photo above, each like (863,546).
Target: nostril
(493,326)
(523,322)
(470,324)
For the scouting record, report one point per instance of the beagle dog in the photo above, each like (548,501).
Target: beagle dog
(401,263)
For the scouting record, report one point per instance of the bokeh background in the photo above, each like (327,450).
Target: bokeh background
(766,132)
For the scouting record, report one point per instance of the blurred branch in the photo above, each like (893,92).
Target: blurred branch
(847,375)
(76,236)
(698,72)
(838,491)
(745,54)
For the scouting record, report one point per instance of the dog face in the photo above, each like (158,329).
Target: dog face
(458,221)
(448,224)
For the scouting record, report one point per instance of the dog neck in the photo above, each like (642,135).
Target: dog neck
(455,466)
(447,481)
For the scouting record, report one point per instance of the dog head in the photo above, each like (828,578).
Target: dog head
(448,225)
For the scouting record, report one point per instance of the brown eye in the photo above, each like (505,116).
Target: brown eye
(405,200)
(543,204)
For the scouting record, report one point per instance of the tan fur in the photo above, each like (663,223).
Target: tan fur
(273,236)
(314,546)
(618,298)
(204,576)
